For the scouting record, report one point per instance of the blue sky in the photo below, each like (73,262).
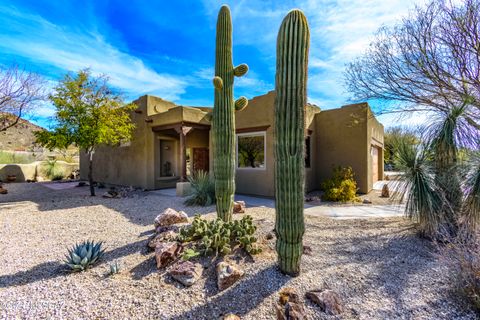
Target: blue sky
(166,48)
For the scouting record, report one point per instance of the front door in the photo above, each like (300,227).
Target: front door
(200,159)
(375,163)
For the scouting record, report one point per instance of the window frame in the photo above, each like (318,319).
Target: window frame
(252,134)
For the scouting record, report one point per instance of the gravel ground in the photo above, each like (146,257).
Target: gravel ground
(378,266)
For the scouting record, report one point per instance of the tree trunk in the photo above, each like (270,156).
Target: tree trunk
(90,173)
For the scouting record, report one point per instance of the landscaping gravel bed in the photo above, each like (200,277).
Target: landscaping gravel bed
(379,267)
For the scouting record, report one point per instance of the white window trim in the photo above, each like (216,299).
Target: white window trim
(252,134)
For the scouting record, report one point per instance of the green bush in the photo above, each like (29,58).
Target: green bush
(7,157)
(218,237)
(342,187)
(203,190)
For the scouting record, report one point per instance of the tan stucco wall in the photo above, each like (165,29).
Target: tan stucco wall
(259,113)
(344,138)
(131,164)
(338,137)
(34,170)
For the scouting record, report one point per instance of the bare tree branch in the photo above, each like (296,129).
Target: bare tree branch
(20,91)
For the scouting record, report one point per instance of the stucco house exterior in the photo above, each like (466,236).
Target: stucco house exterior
(170,142)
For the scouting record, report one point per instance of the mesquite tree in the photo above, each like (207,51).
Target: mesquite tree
(291,99)
(223,121)
(88,114)
(20,92)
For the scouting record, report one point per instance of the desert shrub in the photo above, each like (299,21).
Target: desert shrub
(84,255)
(463,260)
(203,190)
(218,237)
(53,170)
(341,187)
(7,157)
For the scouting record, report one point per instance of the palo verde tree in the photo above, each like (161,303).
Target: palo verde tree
(88,114)
(430,62)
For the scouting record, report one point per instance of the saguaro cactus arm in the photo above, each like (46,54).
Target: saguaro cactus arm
(290,102)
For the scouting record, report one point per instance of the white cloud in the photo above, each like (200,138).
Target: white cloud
(35,38)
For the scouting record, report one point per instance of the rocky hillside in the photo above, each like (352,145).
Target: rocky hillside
(19,137)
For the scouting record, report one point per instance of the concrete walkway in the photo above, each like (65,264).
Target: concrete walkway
(333,210)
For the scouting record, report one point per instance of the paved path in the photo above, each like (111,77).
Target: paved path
(337,211)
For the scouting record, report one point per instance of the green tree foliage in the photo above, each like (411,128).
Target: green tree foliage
(395,136)
(88,114)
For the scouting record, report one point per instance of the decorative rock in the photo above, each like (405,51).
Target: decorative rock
(307,250)
(270,235)
(186,272)
(3,190)
(173,228)
(367,201)
(156,239)
(385,191)
(166,252)
(231,316)
(289,306)
(170,216)
(328,300)
(239,207)
(110,194)
(227,275)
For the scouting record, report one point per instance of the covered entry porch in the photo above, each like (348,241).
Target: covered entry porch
(180,149)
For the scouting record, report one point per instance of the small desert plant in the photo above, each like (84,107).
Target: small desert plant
(114,267)
(341,187)
(84,255)
(203,190)
(53,171)
(218,237)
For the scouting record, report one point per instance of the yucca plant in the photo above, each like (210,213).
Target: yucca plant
(84,255)
(203,189)
(436,196)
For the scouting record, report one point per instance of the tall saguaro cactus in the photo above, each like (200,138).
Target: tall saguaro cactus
(224,115)
(290,102)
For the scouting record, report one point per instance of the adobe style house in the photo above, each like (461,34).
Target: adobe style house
(170,142)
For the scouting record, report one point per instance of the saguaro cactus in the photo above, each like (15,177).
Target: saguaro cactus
(224,116)
(290,102)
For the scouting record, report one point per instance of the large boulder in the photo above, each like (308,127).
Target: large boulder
(170,216)
(289,306)
(186,272)
(328,300)
(227,275)
(166,252)
(239,207)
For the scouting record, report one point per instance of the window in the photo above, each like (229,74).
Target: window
(251,150)
(307,152)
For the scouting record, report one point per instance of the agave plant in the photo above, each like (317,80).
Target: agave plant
(203,190)
(84,255)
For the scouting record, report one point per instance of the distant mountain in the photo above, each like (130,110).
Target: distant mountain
(19,137)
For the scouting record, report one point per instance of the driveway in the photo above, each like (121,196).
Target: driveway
(332,210)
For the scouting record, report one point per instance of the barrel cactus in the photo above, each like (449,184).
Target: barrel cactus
(290,102)
(223,120)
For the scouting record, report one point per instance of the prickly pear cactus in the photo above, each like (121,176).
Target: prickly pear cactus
(291,99)
(223,120)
